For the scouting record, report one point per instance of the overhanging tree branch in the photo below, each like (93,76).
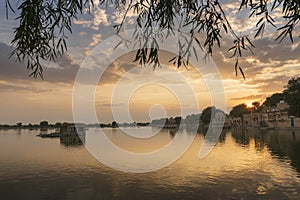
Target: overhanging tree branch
(45,24)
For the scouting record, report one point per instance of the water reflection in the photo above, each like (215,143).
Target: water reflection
(283,144)
(173,132)
(249,164)
(71,141)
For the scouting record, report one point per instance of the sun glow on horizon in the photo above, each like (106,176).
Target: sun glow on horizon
(249,105)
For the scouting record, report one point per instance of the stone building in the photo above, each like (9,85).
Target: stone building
(71,129)
(276,117)
(235,121)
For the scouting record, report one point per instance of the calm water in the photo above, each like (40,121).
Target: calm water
(243,165)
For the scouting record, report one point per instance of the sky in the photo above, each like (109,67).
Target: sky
(28,100)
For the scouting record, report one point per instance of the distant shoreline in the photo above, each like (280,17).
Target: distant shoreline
(225,128)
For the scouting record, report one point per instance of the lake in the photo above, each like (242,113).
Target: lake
(249,164)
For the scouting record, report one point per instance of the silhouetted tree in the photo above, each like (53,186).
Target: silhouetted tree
(44,25)
(206,114)
(57,125)
(292,96)
(178,120)
(191,119)
(256,105)
(114,124)
(44,124)
(239,110)
(274,99)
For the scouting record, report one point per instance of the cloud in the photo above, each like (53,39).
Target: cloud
(241,22)
(82,33)
(21,87)
(109,105)
(98,17)
(96,39)
(250,97)
(63,70)
(8,67)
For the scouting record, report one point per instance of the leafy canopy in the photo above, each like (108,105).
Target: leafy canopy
(45,24)
(291,95)
(239,110)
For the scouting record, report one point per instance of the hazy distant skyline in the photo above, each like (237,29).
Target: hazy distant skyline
(28,100)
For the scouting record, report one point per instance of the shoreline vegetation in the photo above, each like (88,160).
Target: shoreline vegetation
(279,111)
(263,117)
(45,125)
(191,122)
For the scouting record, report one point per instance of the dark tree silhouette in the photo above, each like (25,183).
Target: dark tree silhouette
(44,25)
(114,124)
(206,114)
(292,96)
(274,99)
(255,104)
(239,110)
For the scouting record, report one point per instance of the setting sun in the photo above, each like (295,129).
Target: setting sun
(114,100)
(249,105)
